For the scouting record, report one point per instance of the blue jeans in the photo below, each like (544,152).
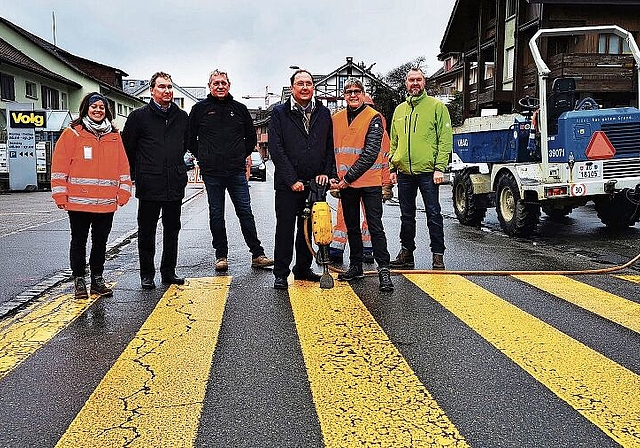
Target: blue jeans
(238,188)
(408,186)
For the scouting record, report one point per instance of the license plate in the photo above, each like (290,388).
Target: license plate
(589,170)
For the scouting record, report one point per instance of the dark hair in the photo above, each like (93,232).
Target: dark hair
(301,70)
(156,75)
(84,109)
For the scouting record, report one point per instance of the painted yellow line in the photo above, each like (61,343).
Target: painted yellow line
(617,309)
(630,278)
(154,392)
(601,390)
(364,391)
(24,333)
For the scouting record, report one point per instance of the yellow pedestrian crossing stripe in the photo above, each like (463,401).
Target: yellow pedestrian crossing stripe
(364,391)
(601,390)
(154,393)
(616,309)
(24,333)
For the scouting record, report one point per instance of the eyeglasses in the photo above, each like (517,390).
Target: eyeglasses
(352,92)
(303,84)
(219,83)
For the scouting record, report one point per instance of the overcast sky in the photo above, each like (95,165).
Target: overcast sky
(254,41)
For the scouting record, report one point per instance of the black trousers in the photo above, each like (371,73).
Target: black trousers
(289,205)
(100,225)
(372,201)
(148,215)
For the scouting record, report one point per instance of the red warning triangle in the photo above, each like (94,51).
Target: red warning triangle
(600,147)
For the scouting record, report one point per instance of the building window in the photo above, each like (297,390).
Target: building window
(31,90)
(473,73)
(7,87)
(120,110)
(179,102)
(64,102)
(508,63)
(612,44)
(50,98)
(488,70)
(511,8)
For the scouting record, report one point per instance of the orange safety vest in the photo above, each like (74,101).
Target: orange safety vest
(90,174)
(348,143)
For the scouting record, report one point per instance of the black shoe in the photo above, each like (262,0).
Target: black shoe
(385,280)
(172,279)
(307,275)
(367,258)
(147,283)
(280,283)
(353,273)
(98,286)
(404,260)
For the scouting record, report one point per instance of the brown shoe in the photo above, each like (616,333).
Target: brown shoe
(222,264)
(404,260)
(438,262)
(261,261)
(80,287)
(98,286)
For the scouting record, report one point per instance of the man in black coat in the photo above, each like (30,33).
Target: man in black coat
(301,147)
(155,138)
(222,136)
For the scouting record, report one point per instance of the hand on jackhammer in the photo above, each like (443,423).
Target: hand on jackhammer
(387,192)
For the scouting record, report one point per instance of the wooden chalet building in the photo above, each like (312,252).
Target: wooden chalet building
(485,51)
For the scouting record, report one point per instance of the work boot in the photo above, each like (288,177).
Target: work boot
(98,286)
(438,262)
(385,280)
(80,288)
(404,260)
(222,264)
(261,261)
(353,273)
(367,257)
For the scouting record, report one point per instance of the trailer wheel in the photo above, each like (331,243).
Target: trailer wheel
(516,217)
(556,214)
(617,212)
(467,205)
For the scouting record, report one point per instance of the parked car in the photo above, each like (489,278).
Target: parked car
(258,168)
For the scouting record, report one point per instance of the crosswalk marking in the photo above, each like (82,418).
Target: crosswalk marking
(617,309)
(364,391)
(23,334)
(153,394)
(601,390)
(630,278)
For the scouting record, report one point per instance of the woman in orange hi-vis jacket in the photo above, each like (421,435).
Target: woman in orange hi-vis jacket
(90,178)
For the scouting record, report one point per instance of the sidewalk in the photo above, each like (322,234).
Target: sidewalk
(34,235)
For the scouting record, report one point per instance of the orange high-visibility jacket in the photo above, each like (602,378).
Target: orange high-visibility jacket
(90,174)
(348,141)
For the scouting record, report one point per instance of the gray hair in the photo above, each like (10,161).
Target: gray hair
(353,82)
(218,72)
(416,69)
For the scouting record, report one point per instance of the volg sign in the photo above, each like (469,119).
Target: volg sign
(27,119)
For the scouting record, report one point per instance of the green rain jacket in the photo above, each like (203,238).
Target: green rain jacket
(421,136)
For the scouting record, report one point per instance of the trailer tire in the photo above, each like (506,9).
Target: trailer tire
(617,212)
(468,206)
(516,218)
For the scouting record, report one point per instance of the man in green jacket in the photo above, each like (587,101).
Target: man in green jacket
(421,143)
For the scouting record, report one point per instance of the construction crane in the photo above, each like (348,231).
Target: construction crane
(266,97)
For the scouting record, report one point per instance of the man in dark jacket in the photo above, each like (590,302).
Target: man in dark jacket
(155,138)
(301,147)
(222,136)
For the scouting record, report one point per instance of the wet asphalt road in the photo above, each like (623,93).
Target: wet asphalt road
(258,392)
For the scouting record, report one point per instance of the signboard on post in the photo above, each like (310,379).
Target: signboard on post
(21,145)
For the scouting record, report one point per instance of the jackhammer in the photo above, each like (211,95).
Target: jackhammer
(317,208)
